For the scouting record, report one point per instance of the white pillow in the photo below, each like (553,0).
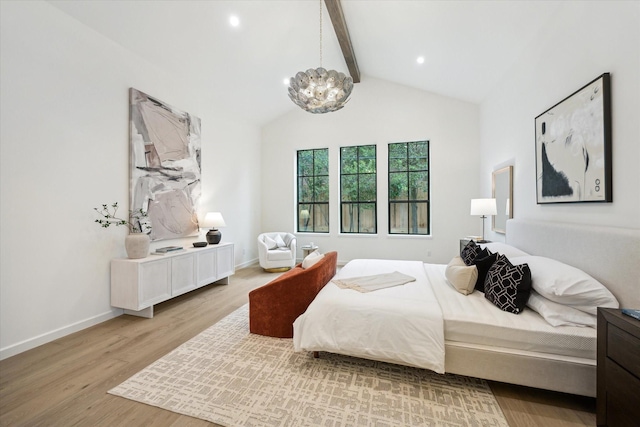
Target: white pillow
(271,244)
(567,285)
(559,314)
(461,276)
(504,249)
(279,242)
(311,259)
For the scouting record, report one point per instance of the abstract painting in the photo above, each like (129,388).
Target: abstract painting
(573,147)
(165,166)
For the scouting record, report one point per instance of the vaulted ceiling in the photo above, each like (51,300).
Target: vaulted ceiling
(467,46)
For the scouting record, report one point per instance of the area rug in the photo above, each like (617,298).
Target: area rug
(230,377)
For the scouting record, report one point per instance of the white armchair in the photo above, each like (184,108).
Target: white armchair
(277,251)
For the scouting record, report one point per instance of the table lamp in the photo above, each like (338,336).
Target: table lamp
(214,220)
(483,207)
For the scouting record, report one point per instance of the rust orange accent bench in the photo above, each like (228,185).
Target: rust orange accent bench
(275,306)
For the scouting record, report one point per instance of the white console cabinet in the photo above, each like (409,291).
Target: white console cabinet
(138,284)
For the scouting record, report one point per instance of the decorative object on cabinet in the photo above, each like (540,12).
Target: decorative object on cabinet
(165,165)
(214,220)
(618,382)
(138,221)
(320,91)
(168,250)
(138,284)
(483,207)
(199,244)
(573,147)
(502,191)
(136,243)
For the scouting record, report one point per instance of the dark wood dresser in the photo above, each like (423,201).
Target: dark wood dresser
(618,391)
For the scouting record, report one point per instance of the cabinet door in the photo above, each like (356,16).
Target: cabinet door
(225,261)
(183,274)
(154,282)
(207,266)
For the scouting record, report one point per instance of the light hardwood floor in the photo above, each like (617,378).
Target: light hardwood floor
(65,382)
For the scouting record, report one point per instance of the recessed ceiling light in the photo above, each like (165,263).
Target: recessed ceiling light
(234,21)
(420,60)
(286,80)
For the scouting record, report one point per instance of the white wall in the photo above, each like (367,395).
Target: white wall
(379,113)
(64,150)
(584,40)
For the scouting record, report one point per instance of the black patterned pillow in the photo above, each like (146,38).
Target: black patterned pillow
(508,286)
(470,252)
(483,263)
(482,254)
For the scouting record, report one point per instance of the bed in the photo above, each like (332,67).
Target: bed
(401,324)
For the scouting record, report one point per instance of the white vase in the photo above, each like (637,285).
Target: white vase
(137,245)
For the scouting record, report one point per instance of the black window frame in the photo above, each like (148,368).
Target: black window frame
(360,202)
(311,206)
(408,201)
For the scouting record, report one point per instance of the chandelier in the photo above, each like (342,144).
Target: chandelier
(320,91)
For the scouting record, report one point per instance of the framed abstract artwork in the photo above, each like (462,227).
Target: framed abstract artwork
(573,147)
(165,165)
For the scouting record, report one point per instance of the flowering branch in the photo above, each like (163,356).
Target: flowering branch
(137,218)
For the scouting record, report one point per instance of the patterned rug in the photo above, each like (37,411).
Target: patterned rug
(231,377)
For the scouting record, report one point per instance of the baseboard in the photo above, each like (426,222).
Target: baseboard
(45,338)
(247,263)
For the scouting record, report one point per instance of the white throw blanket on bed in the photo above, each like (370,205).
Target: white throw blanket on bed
(375,282)
(400,324)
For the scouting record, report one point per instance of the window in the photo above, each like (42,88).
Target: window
(409,188)
(358,189)
(313,190)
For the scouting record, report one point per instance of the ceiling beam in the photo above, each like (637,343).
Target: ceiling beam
(334,7)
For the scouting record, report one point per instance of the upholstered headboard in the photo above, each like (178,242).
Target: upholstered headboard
(609,254)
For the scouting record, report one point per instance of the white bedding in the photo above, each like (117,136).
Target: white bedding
(402,324)
(408,324)
(471,319)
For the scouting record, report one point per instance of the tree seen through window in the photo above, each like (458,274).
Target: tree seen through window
(313,190)
(358,193)
(409,188)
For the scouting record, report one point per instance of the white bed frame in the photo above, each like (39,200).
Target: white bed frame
(611,255)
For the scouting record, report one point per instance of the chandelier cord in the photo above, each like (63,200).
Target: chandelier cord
(320,1)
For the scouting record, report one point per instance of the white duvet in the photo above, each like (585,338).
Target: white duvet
(401,324)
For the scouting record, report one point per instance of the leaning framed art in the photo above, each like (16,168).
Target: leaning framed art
(573,147)
(165,165)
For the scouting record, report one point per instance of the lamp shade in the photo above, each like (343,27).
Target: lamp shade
(213,220)
(483,207)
